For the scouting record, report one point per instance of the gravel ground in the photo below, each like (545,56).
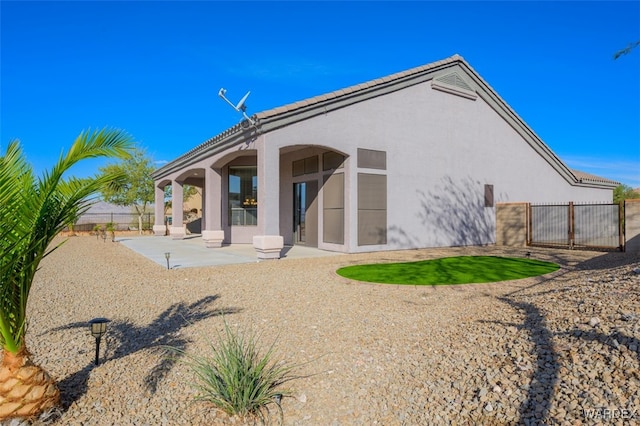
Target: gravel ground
(558,349)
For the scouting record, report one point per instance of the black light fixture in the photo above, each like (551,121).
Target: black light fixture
(278,398)
(528,255)
(167,255)
(98,328)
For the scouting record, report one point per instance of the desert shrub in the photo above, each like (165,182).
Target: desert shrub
(239,378)
(111,228)
(97,230)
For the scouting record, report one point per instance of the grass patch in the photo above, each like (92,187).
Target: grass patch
(449,270)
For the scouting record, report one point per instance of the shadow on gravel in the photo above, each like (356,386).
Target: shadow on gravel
(608,260)
(613,340)
(125,338)
(540,393)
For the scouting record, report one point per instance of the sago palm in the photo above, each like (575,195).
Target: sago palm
(33,210)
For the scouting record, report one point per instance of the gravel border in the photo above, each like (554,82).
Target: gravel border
(539,350)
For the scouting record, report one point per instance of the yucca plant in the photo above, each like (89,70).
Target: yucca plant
(32,212)
(238,377)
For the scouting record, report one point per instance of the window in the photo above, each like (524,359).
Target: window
(333,213)
(305,166)
(243,196)
(372,209)
(368,158)
(332,160)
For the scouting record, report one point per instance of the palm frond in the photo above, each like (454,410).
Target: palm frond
(33,211)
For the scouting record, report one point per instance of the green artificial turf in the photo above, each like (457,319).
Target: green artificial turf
(449,270)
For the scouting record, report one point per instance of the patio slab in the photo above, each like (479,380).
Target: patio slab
(191,252)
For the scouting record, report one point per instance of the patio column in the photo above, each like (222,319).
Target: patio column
(159,227)
(177,228)
(270,244)
(212,233)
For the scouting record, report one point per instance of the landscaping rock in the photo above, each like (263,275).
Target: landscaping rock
(536,351)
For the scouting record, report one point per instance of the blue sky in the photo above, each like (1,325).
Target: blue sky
(155,68)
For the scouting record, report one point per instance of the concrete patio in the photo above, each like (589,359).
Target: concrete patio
(191,252)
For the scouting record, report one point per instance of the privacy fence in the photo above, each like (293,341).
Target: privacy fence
(122,221)
(606,226)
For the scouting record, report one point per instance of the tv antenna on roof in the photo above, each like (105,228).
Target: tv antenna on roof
(240,107)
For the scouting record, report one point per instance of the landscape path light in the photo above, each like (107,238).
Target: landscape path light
(167,255)
(98,328)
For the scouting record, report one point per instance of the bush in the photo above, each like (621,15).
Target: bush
(236,378)
(111,227)
(97,229)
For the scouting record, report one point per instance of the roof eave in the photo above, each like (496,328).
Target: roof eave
(279,117)
(283,116)
(596,184)
(231,137)
(286,115)
(489,95)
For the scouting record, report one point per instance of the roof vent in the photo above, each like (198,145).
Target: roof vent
(454,84)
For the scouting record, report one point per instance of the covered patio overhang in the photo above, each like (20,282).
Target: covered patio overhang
(249,197)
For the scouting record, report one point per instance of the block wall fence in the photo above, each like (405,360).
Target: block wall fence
(512,225)
(632,225)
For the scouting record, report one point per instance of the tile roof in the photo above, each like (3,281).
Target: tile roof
(268,120)
(287,109)
(589,178)
(355,88)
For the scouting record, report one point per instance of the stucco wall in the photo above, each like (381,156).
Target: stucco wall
(441,151)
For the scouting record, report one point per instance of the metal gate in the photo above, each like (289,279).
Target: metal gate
(576,225)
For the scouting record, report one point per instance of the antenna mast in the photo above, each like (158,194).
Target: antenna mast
(240,107)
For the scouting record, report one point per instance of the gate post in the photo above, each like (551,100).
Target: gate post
(620,225)
(529,225)
(571,225)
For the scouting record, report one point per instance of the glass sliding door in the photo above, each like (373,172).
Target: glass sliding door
(299,212)
(305,213)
